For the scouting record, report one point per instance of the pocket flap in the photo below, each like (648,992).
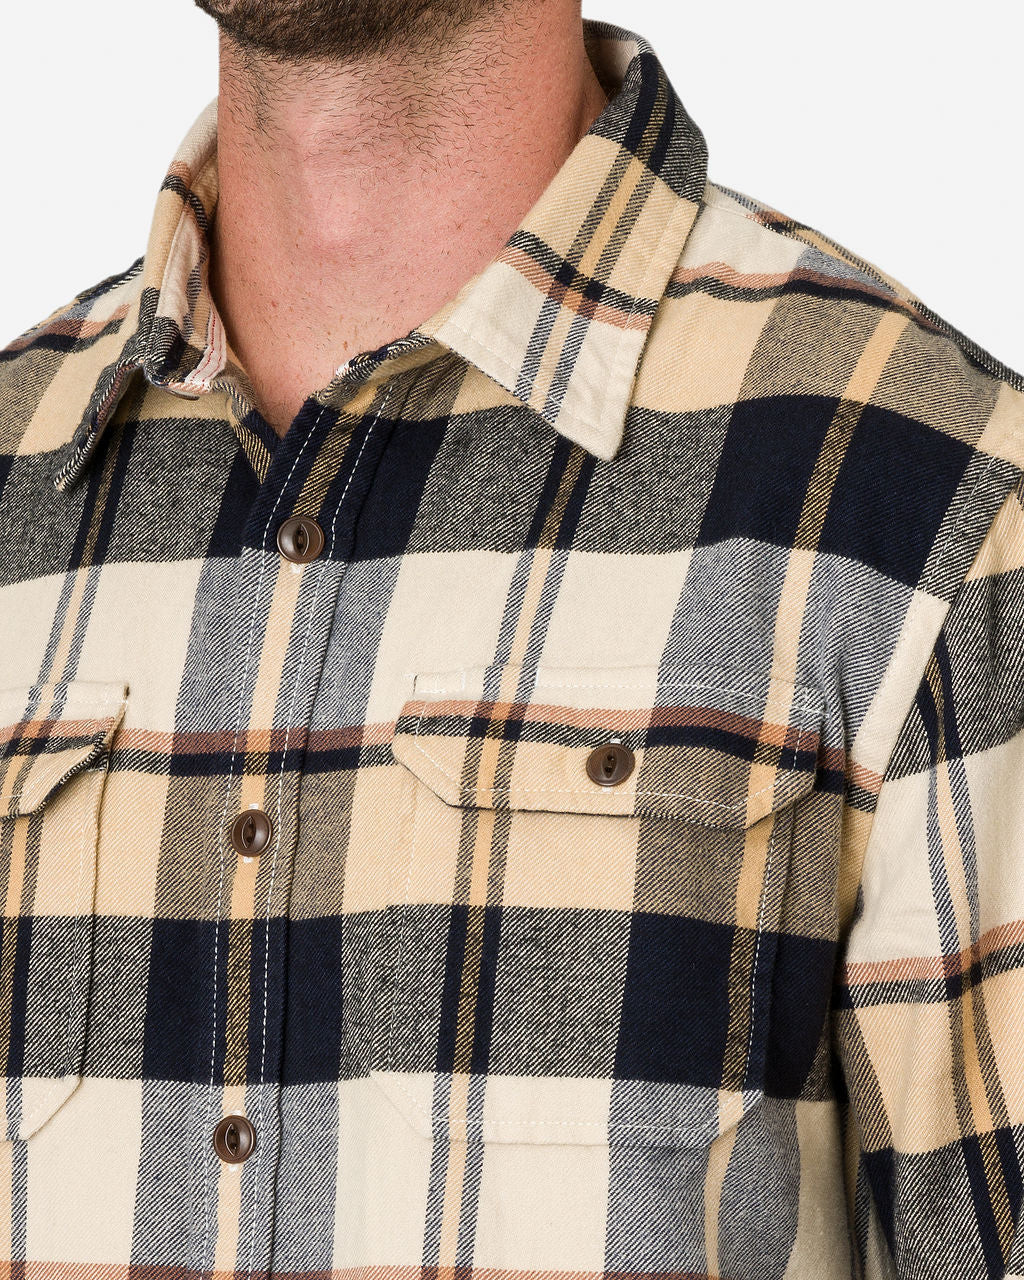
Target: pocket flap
(50,733)
(710,746)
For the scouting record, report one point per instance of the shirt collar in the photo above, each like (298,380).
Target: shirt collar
(560,316)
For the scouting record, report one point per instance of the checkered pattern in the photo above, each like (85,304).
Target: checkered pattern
(674,471)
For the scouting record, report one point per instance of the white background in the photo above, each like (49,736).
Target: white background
(894,126)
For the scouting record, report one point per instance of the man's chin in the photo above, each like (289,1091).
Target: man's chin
(341,30)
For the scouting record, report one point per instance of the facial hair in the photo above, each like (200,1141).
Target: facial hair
(340,30)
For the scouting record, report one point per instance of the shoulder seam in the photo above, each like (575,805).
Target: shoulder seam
(790,228)
(87,296)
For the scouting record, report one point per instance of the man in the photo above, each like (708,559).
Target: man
(512,715)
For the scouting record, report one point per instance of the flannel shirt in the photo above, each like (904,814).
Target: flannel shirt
(676,483)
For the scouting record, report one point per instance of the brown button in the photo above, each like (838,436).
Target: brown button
(234,1139)
(251,832)
(300,539)
(611,764)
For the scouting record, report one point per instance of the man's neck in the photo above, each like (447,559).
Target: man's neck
(356,200)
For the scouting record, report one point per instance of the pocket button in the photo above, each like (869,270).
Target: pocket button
(610,764)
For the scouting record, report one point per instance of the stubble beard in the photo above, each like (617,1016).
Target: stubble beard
(346,31)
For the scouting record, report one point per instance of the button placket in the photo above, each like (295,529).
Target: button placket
(268,837)
(255,854)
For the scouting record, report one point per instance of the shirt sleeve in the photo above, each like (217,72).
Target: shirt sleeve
(929,1000)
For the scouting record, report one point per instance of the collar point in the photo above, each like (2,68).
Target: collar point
(601,436)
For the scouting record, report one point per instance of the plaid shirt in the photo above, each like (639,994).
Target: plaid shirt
(676,490)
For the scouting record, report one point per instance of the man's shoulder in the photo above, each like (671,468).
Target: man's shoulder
(59,360)
(768,318)
(823,304)
(815,401)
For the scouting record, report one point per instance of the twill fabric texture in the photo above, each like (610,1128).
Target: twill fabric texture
(676,488)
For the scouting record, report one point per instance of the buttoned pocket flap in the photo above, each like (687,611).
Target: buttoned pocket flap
(587,955)
(54,750)
(709,748)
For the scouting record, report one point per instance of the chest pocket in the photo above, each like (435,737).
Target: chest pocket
(588,924)
(54,744)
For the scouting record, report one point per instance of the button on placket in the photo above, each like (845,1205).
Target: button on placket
(234,1139)
(251,833)
(300,540)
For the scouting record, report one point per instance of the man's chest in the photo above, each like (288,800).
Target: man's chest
(507,818)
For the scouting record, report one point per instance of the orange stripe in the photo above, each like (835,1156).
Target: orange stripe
(770,732)
(66,327)
(931,968)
